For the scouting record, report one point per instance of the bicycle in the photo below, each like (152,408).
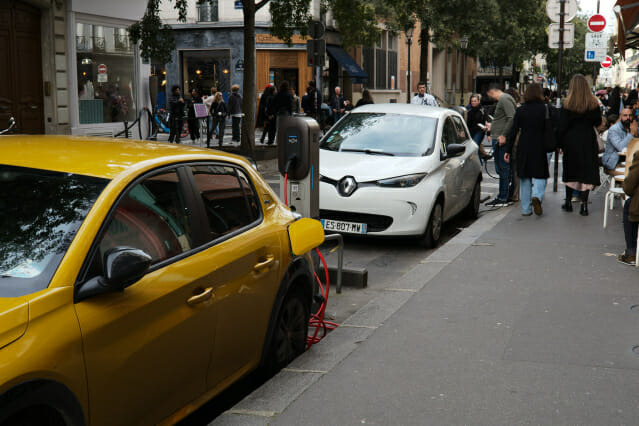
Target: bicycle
(161,121)
(11,128)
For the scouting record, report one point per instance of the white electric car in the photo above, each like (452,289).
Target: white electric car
(398,170)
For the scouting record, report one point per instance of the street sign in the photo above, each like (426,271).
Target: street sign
(607,62)
(553,8)
(553,36)
(596,41)
(316,29)
(595,55)
(597,23)
(540,78)
(102,69)
(315,51)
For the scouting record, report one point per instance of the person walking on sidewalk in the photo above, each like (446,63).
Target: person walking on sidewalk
(477,124)
(235,110)
(631,212)
(423,98)
(194,122)
(532,163)
(176,111)
(214,121)
(576,138)
(221,111)
(500,127)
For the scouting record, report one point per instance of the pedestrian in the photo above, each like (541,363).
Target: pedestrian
(614,101)
(513,190)
(261,120)
(283,101)
(423,98)
(515,94)
(235,110)
(367,99)
(532,164)
(221,111)
(337,104)
(499,128)
(176,114)
(207,101)
(269,116)
(631,212)
(194,122)
(295,105)
(577,139)
(308,102)
(476,118)
(213,129)
(617,140)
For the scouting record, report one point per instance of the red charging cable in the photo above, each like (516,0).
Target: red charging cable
(286,188)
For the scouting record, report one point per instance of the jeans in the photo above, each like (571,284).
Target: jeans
(478,137)
(629,230)
(528,188)
(503,171)
(236,121)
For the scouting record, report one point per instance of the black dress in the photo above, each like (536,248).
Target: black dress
(531,158)
(576,138)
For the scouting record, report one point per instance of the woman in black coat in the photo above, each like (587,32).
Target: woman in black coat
(531,159)
(576,138)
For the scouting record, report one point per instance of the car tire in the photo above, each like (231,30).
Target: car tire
(289,334)
(472,209)
(433,232)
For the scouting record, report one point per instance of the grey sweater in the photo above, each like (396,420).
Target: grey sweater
(503,116)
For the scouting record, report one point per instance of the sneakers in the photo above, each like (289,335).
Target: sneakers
(626,260)
(536,202)
(496,203)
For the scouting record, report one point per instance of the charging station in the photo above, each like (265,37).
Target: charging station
(298,161)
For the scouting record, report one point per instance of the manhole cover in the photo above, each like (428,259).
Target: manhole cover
(635,350)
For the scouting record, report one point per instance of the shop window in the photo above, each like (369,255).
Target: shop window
(106,74)
(208,11)
(202,70)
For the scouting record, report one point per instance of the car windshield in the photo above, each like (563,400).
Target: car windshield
(382,134)
(40,213)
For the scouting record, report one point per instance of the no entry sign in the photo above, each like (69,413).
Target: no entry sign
(102,69)
(607,63)
(597,23)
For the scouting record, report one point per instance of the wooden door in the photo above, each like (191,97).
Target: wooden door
(21,77)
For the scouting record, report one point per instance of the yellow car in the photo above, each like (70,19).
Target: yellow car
(138,280)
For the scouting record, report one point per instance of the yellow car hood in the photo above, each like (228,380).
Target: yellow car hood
(14,319)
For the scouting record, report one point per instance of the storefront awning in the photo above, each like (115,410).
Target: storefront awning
(348,63)
(627,21)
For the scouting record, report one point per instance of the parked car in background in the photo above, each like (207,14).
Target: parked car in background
(398,170)
(138,280)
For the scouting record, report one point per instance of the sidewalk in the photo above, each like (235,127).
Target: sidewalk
(517,320)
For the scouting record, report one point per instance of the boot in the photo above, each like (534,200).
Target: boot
(584,203)
(567,206)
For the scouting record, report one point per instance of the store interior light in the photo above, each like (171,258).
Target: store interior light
(163,82)
(198,72)
(225,71)
(86,61)
(84,73)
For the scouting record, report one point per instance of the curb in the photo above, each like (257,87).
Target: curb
(272,398)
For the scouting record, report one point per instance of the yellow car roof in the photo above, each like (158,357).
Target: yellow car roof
(98,157)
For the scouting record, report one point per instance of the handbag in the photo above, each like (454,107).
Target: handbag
(600,142)
(550,143)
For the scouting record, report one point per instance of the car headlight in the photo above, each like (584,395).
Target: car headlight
(402,181)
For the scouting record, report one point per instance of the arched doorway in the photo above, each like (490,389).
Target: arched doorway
(21,72)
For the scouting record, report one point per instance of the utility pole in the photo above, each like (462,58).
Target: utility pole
(562,21)
(594,66)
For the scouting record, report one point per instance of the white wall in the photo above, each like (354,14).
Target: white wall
(120,9)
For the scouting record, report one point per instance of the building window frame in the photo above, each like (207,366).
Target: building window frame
(381,62)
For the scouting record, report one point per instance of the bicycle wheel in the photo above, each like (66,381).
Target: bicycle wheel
(185,129)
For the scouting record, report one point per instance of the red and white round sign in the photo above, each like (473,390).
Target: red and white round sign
(101,69)
(607,63)
(597,23)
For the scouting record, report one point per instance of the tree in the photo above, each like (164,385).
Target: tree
(356,19)
(573,59)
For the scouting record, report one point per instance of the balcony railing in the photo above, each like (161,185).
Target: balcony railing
(208,11)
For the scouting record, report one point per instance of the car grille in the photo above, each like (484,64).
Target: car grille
(374,222)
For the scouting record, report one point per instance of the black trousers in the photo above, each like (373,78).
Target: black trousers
(629,230)
(236,121)
(194,128)
(176,129)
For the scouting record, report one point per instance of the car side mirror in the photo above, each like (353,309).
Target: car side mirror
(305,234)
(454,150)
(123,266)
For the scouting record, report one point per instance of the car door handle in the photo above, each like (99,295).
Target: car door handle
(265,263)
(200,297)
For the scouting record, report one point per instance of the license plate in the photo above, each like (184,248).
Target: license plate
(341,226)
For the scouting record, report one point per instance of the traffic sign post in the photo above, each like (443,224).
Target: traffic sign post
(554,11)
(607,62)
(554,31)
(597,23)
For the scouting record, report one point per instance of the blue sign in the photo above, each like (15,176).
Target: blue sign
(238,4)
(590,54)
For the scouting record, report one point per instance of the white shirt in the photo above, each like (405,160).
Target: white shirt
(424,100)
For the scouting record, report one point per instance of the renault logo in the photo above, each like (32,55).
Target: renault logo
(347,186)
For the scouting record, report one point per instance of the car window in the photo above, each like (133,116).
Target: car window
(449,133)
(152,216)
(462,135)
(229,200)
(380,133)
(40,214)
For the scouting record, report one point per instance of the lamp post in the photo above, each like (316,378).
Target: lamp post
(409,42)
(463,43)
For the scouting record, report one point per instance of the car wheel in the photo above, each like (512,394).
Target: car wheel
(433,233)
(289,335)
(472,209)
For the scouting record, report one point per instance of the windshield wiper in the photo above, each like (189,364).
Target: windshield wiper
(369,152)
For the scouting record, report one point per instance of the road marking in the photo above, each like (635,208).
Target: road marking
(406,290)
(300,370)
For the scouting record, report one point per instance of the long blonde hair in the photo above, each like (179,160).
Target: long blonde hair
(218,97)
(580,99)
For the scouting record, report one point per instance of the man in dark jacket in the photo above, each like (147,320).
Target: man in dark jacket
(308,102)
(235,110)
(176,111)
(337,104)
(631,212)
